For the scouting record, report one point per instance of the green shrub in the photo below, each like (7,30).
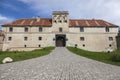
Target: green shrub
(116,56)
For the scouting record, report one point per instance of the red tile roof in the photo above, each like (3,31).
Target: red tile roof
(31,22)
(72,22)
(90,23)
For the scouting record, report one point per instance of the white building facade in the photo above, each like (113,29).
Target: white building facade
(35,33)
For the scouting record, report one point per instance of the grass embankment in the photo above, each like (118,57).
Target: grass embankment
(99,56)
(23,55)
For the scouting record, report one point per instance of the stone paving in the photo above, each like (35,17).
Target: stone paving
(60,64)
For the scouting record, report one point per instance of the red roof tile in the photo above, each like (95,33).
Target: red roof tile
(72,22)
(90,23)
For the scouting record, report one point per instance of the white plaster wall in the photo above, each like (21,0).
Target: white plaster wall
(32,42)
(96,39)
(93,29)
(93,42)
(30,29)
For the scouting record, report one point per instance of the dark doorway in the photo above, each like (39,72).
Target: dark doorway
(60,40)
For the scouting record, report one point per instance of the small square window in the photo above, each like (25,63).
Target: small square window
(39,38)
(65,21)
(107,29)
(11,29)
(55,21)
(39,45)
(60,21)
(40,29)
(25,45)
(81,29)
(25,38)
(110,38)
(110,45)
(9,38)
(60,29)
(26,29)
(83,45)
(82,38)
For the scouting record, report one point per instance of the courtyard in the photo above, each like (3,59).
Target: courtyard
(60,64)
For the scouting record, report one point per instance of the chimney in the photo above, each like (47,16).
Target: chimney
(37,18)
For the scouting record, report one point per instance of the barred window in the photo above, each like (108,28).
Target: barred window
(9,38)
(107,29)
(60,29)
(40,29)
(25,38)
(110,38)
(11,29)
(81,29)
(25,45)
(39,38)
(26,29)
(82,38)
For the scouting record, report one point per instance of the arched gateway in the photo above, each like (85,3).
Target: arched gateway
(60,40)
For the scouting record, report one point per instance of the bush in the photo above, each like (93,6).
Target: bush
(116,56)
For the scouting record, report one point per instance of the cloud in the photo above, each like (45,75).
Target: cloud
(102,9)
(4,20)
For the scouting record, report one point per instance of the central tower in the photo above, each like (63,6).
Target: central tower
(60,21)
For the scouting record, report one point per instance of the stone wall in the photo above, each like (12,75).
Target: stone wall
(96,39)
(1,39)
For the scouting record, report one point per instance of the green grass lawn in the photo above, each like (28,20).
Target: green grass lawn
(23,55)
(99,56)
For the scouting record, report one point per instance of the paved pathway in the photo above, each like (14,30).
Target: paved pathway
(59,65)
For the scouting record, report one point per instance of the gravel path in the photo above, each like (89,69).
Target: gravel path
(60,64)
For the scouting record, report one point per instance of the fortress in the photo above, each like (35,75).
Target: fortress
(59,31)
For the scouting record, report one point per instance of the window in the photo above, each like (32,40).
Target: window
(26,29)
(25,38)
(25,45)
(83,45)
(60,29)
(39,38)
(39,45)
(40,29)
(55,21)
(82,38)
(110,45)
(11,29)
(110,38)
(81,29)
(65,21)
(60,21)
(9,38)
(107,29)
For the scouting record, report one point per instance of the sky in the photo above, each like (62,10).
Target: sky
(108,10)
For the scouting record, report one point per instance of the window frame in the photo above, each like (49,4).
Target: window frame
(82,38)
(39,45)
(60,29)
(26,29)
(107,29)
(25,45)
(10,29)
(9,38)
(25,38)
(81,29)
(39,38)
(40,29)
(110,38)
